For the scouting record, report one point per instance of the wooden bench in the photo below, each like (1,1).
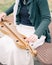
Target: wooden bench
(45,51)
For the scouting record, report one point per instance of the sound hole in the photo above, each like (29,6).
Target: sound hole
(24,38)
(17,40)
(2,26)
(31,44)
(9,23)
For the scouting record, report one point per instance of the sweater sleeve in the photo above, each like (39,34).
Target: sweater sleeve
(10,10)
(45,16)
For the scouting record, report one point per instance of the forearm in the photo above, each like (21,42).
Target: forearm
(42,27)
(10,10)
(45,16)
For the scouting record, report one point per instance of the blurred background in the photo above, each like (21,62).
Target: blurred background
(50,5)
(4,4)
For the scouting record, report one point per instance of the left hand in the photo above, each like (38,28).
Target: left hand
(32,38)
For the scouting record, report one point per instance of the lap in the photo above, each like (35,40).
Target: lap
(8,50)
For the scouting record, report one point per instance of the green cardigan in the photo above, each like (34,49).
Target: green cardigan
(39,16)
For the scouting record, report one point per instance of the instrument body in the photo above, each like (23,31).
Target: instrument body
(9,28)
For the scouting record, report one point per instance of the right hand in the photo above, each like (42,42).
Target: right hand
(2,15)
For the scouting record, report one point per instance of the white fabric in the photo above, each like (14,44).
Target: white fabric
(29,30)
(10,54)
(15,10)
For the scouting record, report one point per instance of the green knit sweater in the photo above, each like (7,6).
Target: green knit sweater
(39,16)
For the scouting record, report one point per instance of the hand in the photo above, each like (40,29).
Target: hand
(2,15)
(32,38)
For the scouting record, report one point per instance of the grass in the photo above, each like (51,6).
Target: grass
(5,4)
(50,4)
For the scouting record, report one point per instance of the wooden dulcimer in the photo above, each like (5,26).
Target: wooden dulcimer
(9,28)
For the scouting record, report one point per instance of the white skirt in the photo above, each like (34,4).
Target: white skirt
(10,54)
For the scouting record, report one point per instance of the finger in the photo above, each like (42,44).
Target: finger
(32,38)
(1,18)
(27,40)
